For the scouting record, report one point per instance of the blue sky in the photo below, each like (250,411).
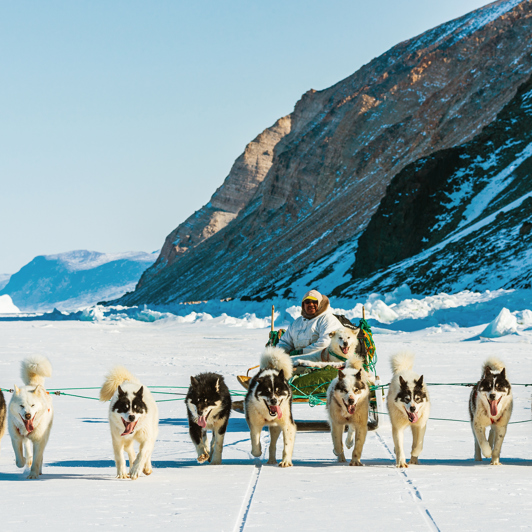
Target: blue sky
(118,119)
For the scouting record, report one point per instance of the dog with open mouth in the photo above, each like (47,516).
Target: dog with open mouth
(133,417)
(408,405)
(208,408)
(269,402)
(490,405)
(348,404)
(31,414)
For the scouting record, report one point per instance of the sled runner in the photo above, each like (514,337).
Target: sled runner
(309,384)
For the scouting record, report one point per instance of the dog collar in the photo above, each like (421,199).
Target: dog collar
(330,353)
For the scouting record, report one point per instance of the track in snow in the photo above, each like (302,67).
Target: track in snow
(412,489)
(253,481)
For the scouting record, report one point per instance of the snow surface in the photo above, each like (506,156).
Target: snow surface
(7,306)
(80,260)
(447,491)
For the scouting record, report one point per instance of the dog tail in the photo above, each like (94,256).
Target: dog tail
(355,362)
(277,358)
(34,369)
(494,364)
(113,380)
(402,362)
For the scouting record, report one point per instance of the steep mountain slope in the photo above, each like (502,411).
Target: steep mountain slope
(346,144)
(75,279)
(462,217)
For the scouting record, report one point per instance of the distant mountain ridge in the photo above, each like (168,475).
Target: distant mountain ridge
(68,281)
(306,220)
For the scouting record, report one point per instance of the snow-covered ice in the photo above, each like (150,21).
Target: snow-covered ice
(7,306)
(78,489)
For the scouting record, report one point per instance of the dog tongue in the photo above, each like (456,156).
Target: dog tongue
(129,426)
(28,423)
(412,417)
(202,422)
(493,408)
(351,409)
(276,408)
(345,349)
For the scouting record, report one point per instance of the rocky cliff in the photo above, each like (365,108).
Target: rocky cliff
(346,144)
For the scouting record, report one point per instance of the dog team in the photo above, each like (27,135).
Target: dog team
(133,413)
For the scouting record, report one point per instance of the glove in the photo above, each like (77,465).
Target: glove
(296,352)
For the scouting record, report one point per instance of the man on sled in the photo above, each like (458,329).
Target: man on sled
(318,336)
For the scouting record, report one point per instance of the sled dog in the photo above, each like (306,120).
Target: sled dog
(408,404)
(31,414)
(133,417)
(348,404)
(344,346)
(269,402)
(208,408)
(490,405)
(3,415)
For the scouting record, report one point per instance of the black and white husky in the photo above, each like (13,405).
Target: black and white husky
(133,417)
(409,405)
(208,408)
(269,402)
(348,404)
(490,405)
(31,414)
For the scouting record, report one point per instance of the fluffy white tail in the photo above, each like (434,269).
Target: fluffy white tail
(113,380)
(355,362)
(34,369)
(494,364)
(276,358)
(402,362)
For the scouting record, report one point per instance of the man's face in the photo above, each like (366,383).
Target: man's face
(310,307)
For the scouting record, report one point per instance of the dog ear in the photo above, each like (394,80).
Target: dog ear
(402,382)
(17,389)
(487,372)
(121,392)
(193,381)
(39,390)
(419,382)
(359,375)
(218,385)
(331,334)
(281,374)
(341,374)
(503,373)
(139,392)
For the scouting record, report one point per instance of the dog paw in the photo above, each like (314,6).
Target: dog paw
(122,475)
(495,461)
(272,461)
(147,470)
(486,451)
(414,460)
(401,464)
(33,475)
(256,452)
(341,458)
(203,457)
(356,463)
(349,443)
(216,461)
(21,463)
(286,463)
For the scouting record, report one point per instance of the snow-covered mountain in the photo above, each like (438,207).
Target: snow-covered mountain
(4,279)
(347,162)
(75,279)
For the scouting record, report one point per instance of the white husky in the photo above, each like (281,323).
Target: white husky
(408,405)
(133,417)
(30,415)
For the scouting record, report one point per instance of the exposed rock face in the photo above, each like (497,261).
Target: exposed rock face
(346,144)
(461,217)
(247,173)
